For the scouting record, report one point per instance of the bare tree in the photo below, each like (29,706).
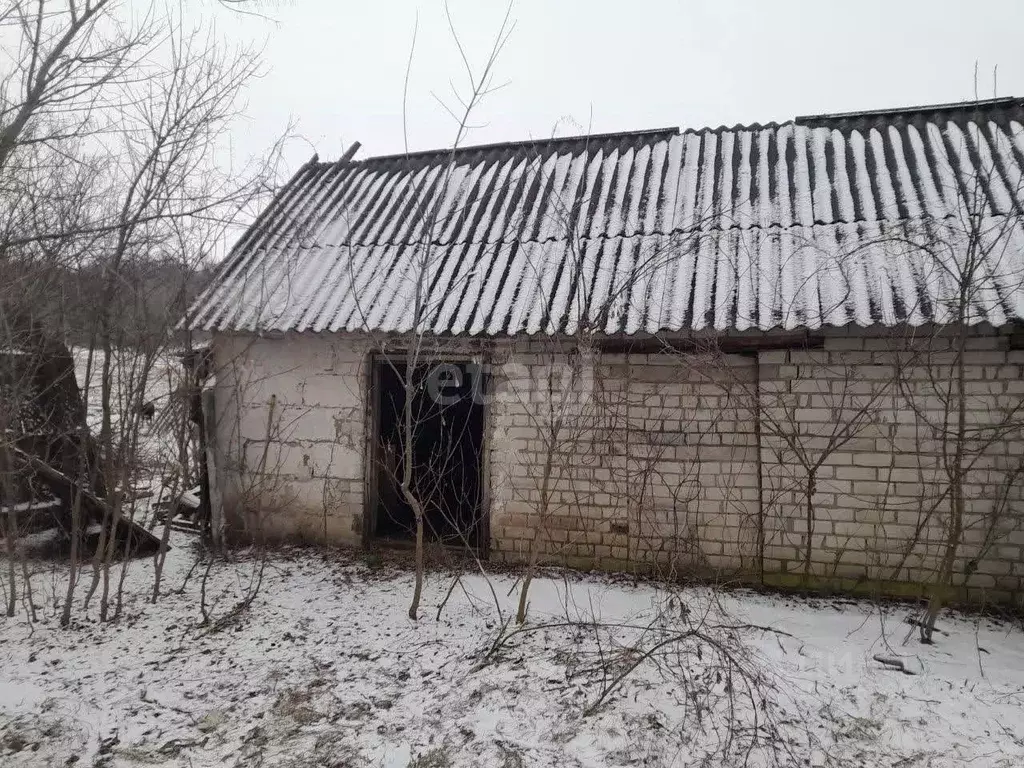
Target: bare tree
(420,350)
(968,427)
(113,135)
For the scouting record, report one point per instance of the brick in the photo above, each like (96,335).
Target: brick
(844,344)
(773,356)
(856,473)
(872,459)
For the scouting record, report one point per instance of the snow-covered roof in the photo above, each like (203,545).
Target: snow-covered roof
(859,218)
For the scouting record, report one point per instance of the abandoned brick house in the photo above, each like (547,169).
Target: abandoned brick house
(783,351)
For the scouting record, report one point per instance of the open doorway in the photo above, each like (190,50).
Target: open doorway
(447,431)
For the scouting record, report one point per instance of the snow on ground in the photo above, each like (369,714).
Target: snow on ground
(325,668)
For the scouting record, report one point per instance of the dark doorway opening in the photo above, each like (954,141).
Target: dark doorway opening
(446,431)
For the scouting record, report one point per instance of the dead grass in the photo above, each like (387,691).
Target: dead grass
(296,703)
(437,757)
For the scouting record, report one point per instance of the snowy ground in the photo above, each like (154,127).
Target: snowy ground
(325,668)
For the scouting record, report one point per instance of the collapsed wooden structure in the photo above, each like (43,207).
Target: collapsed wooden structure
(67,494)
(49,462)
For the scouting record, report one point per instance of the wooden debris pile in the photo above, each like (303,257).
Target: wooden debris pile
(49,461)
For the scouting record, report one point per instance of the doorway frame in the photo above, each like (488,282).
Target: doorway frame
(372,479)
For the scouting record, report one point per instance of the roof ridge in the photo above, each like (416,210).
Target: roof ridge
(952,106)
(583,137)
(770,125)
(923,109)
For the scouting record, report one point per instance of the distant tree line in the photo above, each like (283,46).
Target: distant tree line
(153,294)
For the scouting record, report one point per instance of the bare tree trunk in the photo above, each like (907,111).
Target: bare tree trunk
(531,568)
(12,524)
(12,559)
(955,471)
(809,489)
(176,484)
(417,591)
(26,577)
(407,491)
(554,435)
(106,462)
(129,470)
(75,556)
(87,474)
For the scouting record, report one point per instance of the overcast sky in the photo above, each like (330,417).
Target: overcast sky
(336,67)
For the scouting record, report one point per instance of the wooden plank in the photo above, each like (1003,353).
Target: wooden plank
(30,506)
(67,490)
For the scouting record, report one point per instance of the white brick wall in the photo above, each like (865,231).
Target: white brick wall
(655,462)
(880,506)
(307,482)
(655,457)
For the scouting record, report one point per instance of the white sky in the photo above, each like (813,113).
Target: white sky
(574,66)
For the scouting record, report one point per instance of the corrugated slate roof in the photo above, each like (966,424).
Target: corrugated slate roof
(825,220)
